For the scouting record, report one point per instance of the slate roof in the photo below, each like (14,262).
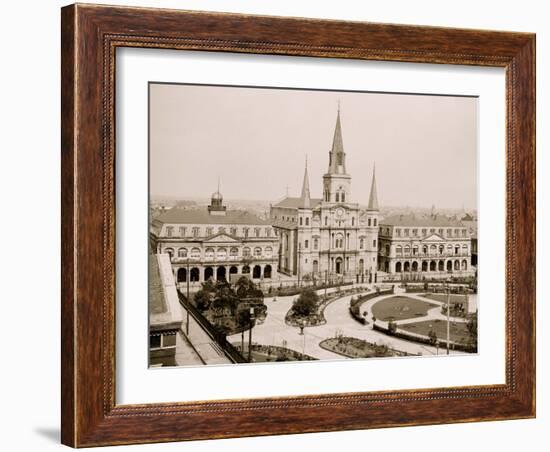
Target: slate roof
(294,203)
(157,302)
(413,220)
(202,216)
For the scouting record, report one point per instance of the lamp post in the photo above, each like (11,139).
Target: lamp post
(250,335)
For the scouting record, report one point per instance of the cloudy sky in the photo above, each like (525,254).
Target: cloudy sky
(256,140)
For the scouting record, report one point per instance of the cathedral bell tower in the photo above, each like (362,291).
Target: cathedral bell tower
(336,182)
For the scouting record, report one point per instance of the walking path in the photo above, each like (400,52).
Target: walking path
(274,330)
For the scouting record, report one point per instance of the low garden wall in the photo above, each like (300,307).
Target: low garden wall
(355,305)
(401,334)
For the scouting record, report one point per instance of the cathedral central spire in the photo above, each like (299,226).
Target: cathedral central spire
(337,156)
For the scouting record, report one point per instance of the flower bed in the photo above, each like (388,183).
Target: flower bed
(352,347)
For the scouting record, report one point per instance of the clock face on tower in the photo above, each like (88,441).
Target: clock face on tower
(339,212)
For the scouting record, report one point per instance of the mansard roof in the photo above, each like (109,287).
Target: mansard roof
(413,220)
(202,216)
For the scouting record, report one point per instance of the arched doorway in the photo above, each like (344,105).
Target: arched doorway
(267,271)
(432,266)
(407,266)
(220,273)
(441,266)
(194,274)
(182,275)
(464,265)
(208,273)
(449,266)
(425,266)
(361,266)
(338,267)
(233,271)
(415,266)
(246,270)
(398,267)
(315,266)
(457,265)
(257,272)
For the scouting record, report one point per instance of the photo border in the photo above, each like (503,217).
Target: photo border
(90,36)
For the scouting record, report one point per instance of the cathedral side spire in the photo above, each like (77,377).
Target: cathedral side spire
(306,196)
(373,197)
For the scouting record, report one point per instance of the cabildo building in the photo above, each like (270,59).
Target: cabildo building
(215,243)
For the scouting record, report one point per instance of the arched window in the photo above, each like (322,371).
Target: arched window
(374,222)
(343,196)
(465,249)
(307,221)
(433,249)
(464,264)
(246,251)
(257,251)
(306,244)
(326,221)
(449,249)
(195,253)
(315,244)
(169,251)
(369,222)
(234,251)
(361,243)
(425,249)
(407,249)
(209,253)
(399,249)
(337,197)
(268,251)
(182,252)
(300,221)
(353,221)
(222,253)
(441,249)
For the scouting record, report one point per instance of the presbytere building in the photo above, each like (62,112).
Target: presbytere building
(432,245)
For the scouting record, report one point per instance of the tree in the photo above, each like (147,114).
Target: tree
(306,304)
(472,329)
(202,300)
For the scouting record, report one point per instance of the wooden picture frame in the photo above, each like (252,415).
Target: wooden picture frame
(90,35)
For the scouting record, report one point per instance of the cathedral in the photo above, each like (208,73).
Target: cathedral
(331,237)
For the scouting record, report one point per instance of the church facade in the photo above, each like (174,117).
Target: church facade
(330,237)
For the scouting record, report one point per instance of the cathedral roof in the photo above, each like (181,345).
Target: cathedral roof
(413,220)
(295,203)
(202,216)
(337,162)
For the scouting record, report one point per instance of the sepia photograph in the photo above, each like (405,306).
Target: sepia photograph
(292,224)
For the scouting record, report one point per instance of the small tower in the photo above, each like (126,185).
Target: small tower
(216,206)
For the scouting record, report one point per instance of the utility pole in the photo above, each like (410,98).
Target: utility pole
(448,315)
(188,300)
(250,335)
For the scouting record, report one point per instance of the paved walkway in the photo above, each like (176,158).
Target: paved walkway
(274,331)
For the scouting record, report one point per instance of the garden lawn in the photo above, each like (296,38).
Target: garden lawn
(401,308)
(458,330)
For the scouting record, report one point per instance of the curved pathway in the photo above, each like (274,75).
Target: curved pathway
(274,330)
